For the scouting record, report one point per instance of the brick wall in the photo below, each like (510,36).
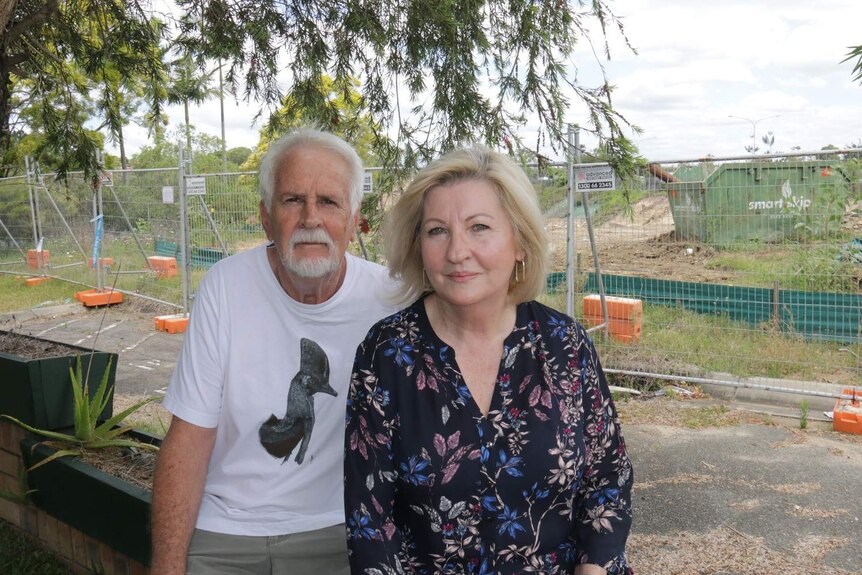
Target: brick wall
(84,554)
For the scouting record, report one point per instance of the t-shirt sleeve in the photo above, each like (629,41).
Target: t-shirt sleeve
(195,392)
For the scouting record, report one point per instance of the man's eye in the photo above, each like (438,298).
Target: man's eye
(291,200)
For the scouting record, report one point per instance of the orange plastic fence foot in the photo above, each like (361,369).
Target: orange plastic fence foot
(94,297)
(36,281)
(163,266)
(847,415)
(173,323)
(35,258)
(625,316)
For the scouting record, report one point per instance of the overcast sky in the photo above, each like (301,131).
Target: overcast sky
(698,62)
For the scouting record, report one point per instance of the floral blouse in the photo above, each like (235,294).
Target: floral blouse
(539,484)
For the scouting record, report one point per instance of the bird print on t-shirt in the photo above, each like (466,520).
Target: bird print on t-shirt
(280,436)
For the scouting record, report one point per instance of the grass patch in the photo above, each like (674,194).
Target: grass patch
(710,416)
(20,555)
(806,267)
(15,295)
(682,342)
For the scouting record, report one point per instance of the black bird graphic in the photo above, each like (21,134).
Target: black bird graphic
(280,436)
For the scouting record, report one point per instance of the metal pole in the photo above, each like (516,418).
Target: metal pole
(184,240)
(95,226)
(585,201)
(30,197)
(221,105)
(571,254)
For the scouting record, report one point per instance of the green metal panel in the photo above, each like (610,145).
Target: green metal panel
(765,201)
(688,206)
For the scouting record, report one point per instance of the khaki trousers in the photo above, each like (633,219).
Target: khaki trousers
(318,552)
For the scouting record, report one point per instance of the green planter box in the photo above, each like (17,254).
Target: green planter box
(39,391)
(104,507)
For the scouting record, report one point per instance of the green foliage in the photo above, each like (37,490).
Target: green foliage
(435,60)
(89,433)
(855,52)
(22,492)
(21,555)
(55,55)
(803,414)
(238,155)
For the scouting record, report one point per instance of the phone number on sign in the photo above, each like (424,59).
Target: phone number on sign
(595,185)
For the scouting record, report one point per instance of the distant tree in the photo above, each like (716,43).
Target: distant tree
(59,47)
(238,155)
(769,141)
(189,84)
(434,75)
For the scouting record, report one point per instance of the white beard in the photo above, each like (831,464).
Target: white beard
(311,267)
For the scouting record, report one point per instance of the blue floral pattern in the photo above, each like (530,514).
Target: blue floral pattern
(539,484)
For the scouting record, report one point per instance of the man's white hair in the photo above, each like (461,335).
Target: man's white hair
(313,138)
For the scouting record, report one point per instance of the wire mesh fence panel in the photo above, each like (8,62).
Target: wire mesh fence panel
(743,268)
(142,239)
(223,220)
(16,230)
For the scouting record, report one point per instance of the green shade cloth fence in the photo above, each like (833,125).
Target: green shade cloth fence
(200,257)
(813,315)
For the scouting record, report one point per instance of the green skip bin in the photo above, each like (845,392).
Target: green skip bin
(758,201)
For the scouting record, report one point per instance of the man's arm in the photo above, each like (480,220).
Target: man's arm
(178,485)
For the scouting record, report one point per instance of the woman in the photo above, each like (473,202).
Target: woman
(481,435)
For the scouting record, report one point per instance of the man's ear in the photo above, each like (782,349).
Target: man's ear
(265,221)
(355,226)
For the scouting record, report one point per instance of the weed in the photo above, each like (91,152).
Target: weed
(711,416)
(803,414)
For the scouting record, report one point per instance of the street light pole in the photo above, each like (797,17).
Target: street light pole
(753,129)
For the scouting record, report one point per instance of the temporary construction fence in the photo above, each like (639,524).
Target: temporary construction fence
(746,271)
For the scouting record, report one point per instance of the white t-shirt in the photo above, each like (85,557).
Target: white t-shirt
(249,347)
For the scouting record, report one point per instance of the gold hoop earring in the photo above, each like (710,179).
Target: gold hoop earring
(520,266)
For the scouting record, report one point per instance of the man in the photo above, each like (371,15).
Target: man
(249,478)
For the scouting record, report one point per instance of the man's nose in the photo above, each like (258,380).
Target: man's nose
(310,215)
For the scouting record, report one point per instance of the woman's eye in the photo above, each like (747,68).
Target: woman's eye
(480,227)
(435,231)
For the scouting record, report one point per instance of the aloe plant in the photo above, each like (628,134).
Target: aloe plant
(89,433)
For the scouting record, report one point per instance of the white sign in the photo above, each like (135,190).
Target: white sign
(196,186)
(167,194)
(366,183)
(590,178)
(107,179)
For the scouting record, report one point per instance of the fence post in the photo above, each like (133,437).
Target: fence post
(571,252)
(185,277)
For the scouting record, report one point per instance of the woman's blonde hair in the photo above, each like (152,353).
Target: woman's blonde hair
(401,240)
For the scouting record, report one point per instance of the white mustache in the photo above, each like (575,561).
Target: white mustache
(315,236)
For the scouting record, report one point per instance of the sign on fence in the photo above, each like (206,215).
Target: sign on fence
(167,194)
(590,178)
(366,183)
(196,186)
